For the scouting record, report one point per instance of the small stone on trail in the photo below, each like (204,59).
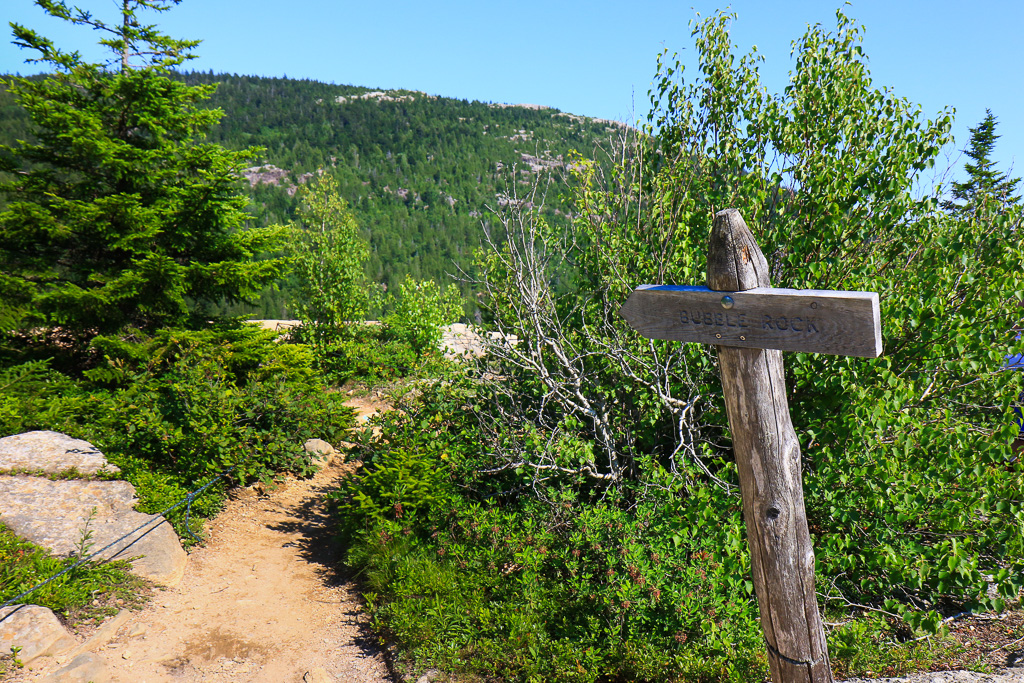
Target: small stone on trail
(323,453)
(317,675)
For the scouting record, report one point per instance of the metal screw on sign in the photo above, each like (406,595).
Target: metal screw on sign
(751,325)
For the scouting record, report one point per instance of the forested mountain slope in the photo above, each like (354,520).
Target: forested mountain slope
(418,170)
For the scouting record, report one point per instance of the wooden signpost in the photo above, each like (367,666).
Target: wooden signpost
(751,324)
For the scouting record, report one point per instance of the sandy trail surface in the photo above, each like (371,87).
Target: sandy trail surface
(260,601)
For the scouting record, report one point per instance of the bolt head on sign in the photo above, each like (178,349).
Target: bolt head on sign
(807,320)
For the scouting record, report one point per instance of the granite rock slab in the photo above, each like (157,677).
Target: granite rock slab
(52,453)
(36,630)
(58,514)
(85,668)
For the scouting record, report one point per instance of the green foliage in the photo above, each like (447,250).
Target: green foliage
(503,586)
(197,416)
(912,490)
(371,356)
(332,289)
(23,565)
(117,213)
(854,649)
(401,483)
(27,393)
(419,312)
(174,409)
(418,174)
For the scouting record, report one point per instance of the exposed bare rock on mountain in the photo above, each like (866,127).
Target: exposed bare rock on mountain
(267,174)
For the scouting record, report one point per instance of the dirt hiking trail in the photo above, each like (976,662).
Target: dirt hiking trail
(262,600)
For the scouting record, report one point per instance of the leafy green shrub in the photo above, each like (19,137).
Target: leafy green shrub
(368,356)
(913,493)
(196,419)
(538,563)
(499,576)
(246,352)
(30,396)
(419,311)
(479,578)
(333,291)
(174,409)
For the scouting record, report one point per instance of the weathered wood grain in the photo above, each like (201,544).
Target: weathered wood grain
(768,458)
(808,320)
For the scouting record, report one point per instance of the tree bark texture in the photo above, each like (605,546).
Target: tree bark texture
(768,459)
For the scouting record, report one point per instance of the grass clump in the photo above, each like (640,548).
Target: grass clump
(86,592)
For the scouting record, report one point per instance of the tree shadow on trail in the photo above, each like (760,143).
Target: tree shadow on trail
(312,519)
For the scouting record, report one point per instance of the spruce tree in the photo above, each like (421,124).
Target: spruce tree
(119,215)
(985,186)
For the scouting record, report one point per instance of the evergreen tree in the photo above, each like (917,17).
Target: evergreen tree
(985,185)
(118,214)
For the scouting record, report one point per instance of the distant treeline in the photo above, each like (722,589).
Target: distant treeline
(419,171)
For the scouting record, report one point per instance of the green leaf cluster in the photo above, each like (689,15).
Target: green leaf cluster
(419,311)
(913,490)
(332,290)
(469,574)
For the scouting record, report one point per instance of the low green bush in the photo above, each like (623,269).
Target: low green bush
(30,394)
(496,574)
(478,578)
(174,409)
(369,357)
(419,311)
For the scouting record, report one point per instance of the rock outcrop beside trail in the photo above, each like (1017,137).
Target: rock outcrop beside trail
(72,515)
(52,453)
(35,631)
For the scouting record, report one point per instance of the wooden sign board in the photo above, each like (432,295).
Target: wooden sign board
(808,320)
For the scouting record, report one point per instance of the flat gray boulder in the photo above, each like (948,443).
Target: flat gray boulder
(36,630)
(58,514)
(85,668)
(52,453)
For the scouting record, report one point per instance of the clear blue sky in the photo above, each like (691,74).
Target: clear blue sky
(595,58)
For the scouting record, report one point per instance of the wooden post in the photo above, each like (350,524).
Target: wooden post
(751,323)
(768,459)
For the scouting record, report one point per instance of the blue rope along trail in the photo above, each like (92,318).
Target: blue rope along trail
(187,500)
